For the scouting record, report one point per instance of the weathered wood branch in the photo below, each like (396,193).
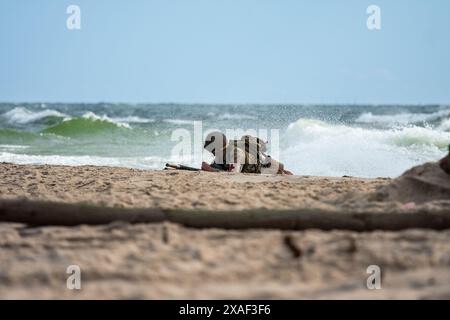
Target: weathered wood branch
(54,213)
(67,214)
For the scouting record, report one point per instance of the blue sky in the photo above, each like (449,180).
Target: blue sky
(217,51)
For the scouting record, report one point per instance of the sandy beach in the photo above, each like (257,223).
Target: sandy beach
(128,188)
(139,142)
(173,261)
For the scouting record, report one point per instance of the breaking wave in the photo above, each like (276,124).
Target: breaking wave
(318,148)
(20,115)
(404,118)
(133,162)
(89,124)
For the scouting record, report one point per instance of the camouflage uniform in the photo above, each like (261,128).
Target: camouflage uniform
(245,157)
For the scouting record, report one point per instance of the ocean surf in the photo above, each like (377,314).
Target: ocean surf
(354,140)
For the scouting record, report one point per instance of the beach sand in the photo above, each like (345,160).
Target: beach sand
(127,188)
(170,261)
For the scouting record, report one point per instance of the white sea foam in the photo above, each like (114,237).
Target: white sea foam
(92,116)
(142,162)
(236,116)
(444,125)
(318,148)
(20,115)
(402,118)
(129,162)
(132,119)
(179,121)
(12,147)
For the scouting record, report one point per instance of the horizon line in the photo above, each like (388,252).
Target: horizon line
(236,103)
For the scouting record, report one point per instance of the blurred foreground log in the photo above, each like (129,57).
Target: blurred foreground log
(63,214)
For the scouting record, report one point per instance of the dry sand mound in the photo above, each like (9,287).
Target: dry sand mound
(420,184)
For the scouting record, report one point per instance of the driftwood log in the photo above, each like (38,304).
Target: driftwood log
(41,213)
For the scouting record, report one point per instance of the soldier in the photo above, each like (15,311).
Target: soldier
(246,155)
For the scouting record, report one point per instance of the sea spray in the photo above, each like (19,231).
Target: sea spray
(314,147)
